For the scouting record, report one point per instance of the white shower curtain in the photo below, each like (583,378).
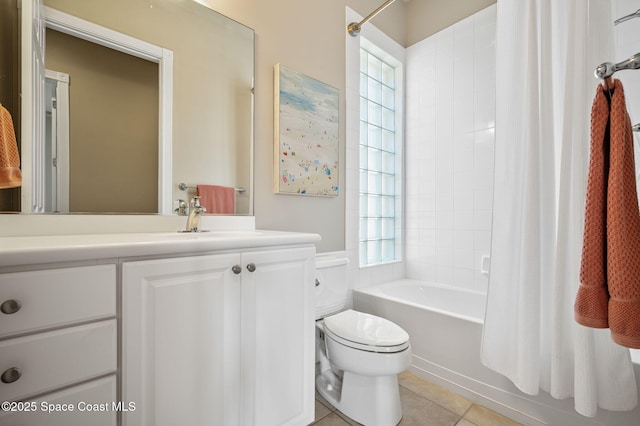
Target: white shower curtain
(546,53)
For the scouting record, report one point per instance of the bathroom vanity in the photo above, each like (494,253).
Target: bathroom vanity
(158,329)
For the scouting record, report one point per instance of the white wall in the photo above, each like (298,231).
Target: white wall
(308,37)
(450,118)
(425,18)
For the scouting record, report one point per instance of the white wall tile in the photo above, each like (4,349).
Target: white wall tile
(463,219)
(444,275)
(483,199)
(444,239)
(444,219)
(463,278)
(482,220)
(483,178)
(482,242)
(463,151)
(449,182)
(444,194)
(463,257)
(428,220)
(463,199)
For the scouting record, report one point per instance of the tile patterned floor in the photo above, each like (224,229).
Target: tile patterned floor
(423,404)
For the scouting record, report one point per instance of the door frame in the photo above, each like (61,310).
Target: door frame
(34,18)
(60,128)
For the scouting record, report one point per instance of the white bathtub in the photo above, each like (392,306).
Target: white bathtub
(459,303)
(445,328)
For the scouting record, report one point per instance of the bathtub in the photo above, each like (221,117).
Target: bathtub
(445,328)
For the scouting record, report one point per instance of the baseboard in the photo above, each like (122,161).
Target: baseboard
(537,410)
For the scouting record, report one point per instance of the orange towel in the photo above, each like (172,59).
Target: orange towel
(591,305)
(609,293)
(10,174)
(217,199)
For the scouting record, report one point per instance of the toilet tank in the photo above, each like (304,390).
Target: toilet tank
(331,283)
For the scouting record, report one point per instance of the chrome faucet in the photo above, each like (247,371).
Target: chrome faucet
(195,210)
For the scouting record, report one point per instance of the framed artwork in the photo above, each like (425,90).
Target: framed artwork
(306,134)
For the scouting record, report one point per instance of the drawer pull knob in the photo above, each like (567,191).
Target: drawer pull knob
(251,267)
(11,375)
(10,306)
(236,269)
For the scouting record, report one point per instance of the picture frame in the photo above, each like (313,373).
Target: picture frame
(306,135)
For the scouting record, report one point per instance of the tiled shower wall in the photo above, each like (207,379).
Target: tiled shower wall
(450,119)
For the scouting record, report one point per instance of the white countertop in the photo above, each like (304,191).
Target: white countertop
(61,248)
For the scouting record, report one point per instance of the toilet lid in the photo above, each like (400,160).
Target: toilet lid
(365,329)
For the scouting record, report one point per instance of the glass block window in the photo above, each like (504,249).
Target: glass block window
(379,162)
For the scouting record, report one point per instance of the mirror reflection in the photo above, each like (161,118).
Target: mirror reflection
(112,109)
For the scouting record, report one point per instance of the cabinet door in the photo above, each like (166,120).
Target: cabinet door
(181,341)
(278,337)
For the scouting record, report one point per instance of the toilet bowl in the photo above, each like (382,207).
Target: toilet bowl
(359,358)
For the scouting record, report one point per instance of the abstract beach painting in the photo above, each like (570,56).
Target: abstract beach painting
(306,135)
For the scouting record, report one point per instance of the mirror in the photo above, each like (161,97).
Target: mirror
(211,129)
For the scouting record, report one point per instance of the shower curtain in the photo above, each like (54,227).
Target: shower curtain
(546,53)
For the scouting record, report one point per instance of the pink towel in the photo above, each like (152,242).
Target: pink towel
(217,199)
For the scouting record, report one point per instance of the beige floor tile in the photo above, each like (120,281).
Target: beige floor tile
(423,403)
(324,401)
(331,420)
(418,411)
(321,410)
(482,416)
(465,422)
(435,393)
(320,399)
(349,421)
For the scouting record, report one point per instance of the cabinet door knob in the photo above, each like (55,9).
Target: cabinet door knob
(236,269)
(10,306)
(251,267)
(10,375)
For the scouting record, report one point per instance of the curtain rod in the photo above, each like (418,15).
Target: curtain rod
(354,27)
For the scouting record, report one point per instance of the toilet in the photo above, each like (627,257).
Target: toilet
(358,355)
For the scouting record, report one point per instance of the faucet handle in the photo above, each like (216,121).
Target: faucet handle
(181,210)
(195,204)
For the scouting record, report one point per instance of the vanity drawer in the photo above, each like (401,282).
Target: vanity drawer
(101,392)
(36,300)
(57,358)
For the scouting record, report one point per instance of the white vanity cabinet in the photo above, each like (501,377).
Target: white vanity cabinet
(58,344)
(219,339)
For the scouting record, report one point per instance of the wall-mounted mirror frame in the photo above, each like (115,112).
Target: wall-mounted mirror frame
(189,158)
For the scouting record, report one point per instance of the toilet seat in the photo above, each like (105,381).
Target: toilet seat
(366,332)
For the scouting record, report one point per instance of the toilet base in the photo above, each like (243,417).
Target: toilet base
(372,401)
